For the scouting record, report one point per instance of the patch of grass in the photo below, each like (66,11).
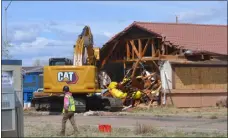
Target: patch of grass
(144,129)
(199,116)
(213,117)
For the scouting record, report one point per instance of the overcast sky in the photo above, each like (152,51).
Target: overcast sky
(40,30)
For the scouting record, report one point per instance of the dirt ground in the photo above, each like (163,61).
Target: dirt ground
(197,123)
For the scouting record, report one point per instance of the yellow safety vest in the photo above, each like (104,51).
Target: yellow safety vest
(71,106)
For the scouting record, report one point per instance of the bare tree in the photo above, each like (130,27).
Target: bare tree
(6,50)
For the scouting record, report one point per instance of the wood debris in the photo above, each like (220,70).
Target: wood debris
(144,88)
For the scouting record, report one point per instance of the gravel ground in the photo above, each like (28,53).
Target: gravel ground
(124,124)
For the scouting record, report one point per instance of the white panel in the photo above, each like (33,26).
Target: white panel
(166,75)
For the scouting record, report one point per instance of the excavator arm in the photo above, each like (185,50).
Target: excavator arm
(84,53)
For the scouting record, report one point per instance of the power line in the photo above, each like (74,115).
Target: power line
(8,5)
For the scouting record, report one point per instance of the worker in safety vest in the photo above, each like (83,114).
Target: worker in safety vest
(68,110)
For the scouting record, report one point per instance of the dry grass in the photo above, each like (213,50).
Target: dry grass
(52,129)
(213,117)
(194,112)
(144,129)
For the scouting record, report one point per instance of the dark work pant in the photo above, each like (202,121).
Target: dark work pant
(69,115)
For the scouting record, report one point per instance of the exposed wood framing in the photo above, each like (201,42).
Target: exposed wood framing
(134,48)
(162,57)
(128,51)
(132,53)
(135,67)
(155,64)
(153,49)
(140,48)
(109,54)
(158,53)
(145,48)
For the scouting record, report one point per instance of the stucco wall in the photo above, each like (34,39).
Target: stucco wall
(17,76)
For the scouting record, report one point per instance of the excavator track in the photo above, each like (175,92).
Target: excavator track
(55,104)
(112,104)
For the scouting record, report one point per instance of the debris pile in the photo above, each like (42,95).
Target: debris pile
(103,113)
(134,90)
(222,102)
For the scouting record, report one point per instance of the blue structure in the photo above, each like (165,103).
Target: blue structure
(12,62)
(31,82)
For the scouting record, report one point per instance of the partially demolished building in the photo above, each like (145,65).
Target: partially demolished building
(191,59)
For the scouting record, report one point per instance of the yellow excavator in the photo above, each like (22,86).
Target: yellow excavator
(80,74)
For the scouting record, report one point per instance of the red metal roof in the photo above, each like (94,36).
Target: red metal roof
(211,38)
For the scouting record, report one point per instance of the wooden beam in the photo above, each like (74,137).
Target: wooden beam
(135,67)
(145,48)
(128,50)
(134,48)
(162,57)
(132,53)
(155,65)
(140,48)
(110,52)
(158,53)
(153,49)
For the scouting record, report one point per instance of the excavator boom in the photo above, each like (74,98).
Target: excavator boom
(83,50)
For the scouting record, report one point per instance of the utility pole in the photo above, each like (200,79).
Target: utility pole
(5,47)
(6,21)
(176,19)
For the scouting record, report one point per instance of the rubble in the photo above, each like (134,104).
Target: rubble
(134,90)
(97,113)
(91,113)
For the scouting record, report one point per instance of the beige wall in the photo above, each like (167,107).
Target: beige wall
(193,100)
(200,78)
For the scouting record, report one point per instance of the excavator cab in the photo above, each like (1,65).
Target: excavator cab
(60,61)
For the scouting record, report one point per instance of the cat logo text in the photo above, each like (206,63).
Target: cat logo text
(68,77)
